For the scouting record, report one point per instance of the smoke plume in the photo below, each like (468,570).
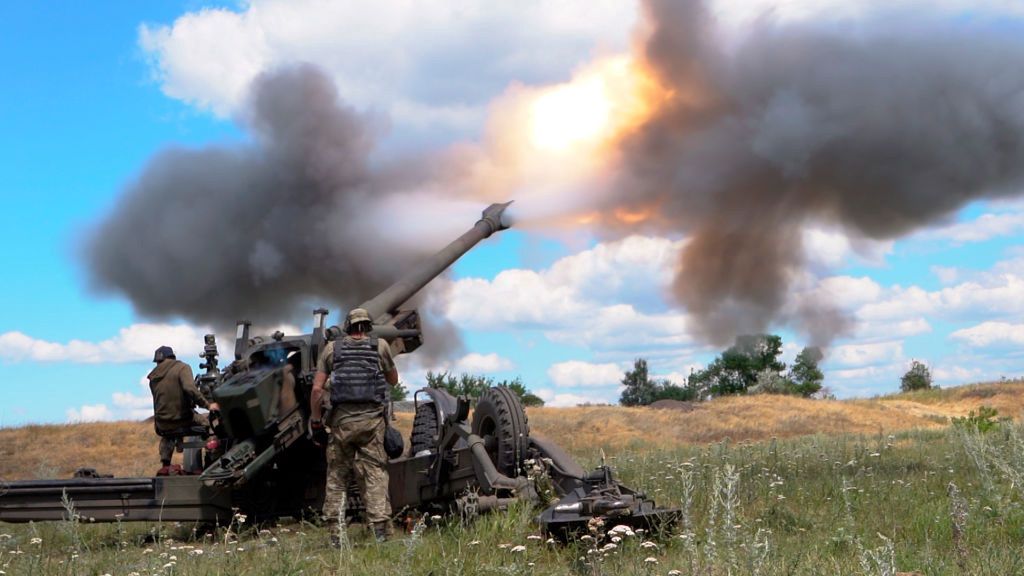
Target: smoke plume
(880,128)
(263,231)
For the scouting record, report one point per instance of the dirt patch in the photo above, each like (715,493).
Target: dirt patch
(674,405)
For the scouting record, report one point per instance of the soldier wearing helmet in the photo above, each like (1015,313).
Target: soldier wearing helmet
(356,373)
(175,398)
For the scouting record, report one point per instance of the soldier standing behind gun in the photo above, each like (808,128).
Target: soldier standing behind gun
(361,367)
(175,398)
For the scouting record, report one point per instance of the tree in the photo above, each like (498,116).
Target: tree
(738,367)
(669,391)
(805,374)
(473,385)
(917,378)
(399,392)
(525,396)
(640,389)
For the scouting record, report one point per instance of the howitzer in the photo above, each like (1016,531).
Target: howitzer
(271,469)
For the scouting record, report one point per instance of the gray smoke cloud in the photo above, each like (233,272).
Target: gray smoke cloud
(265,230)
(881,128)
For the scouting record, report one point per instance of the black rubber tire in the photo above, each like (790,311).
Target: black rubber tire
(498,413)
(425,428)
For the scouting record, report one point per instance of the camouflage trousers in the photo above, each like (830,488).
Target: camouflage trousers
(167,444)
(357,447)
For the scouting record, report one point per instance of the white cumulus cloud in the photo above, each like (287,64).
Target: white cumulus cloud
(422,63)
(989,333)
(135,343)
(578,373)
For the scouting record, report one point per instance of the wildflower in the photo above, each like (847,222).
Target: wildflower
(196,552)
(474,542)
(616,539)
(648,544)
(550,541)
(169,565)
(36,541)
(173,558)
(435,517)
(609,547)
(674,573)
(622,529)
(533,537)
(650,560)
(503,546)
(586,537)
(517,549)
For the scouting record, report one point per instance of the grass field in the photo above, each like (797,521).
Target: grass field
(896,494)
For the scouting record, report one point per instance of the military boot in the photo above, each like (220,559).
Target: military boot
(380,531)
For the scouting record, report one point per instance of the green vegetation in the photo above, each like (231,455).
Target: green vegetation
(399,392)
(917,378)
(641,389)
(984,421)
(751,365)
(939,503)
(473,385)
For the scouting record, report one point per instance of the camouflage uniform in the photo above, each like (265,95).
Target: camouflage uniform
(356,445)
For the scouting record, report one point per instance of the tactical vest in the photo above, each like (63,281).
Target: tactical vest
(356,376)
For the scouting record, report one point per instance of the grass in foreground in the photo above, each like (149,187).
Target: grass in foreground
(930,502)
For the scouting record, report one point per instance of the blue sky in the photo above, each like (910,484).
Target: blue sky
(91,91)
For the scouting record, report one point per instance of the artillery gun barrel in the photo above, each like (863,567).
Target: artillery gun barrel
(388,301)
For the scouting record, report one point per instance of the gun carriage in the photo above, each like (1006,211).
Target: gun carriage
(268,467)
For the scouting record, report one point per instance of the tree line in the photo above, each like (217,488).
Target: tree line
(750,366)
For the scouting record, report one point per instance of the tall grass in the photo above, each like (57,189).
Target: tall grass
(939,502)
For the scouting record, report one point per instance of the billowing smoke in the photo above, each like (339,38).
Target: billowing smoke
(881,128)
(262,231)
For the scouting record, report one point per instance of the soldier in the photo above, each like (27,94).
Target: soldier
(361,367)
(175,398)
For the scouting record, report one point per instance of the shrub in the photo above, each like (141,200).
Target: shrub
(984,421)
(917,378)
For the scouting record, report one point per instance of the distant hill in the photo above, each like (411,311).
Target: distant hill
(129,448)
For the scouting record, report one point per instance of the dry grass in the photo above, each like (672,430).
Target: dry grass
(129,448)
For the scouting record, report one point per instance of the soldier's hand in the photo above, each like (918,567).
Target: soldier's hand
(317,433)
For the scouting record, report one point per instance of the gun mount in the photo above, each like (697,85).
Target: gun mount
(271,469)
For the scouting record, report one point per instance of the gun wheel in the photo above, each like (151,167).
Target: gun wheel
(500,416)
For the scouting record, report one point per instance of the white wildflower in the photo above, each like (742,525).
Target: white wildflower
(196,552)
(533,537)
(674,573)
(648,544)
(616,539)
(622,529)
(474,542)
(609,547)
(516,549)
(36,541)
(650,560)
(503,546)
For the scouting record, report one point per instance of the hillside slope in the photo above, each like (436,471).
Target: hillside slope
(129,448)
